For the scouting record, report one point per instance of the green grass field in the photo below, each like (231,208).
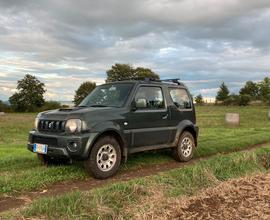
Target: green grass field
(125,199)
(21,172)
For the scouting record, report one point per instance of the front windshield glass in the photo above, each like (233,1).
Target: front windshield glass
(108,95)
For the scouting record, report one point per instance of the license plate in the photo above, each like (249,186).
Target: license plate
(40,148)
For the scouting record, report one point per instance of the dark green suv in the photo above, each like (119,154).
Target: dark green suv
(116,120)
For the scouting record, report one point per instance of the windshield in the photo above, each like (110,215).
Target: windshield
(108,95)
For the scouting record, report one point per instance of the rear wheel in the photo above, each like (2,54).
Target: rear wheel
(104,159)
(185,148)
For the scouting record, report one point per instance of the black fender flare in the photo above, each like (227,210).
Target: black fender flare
(186,125)
(108,128)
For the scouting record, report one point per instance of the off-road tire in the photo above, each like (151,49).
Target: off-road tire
(180,152)
(93,164)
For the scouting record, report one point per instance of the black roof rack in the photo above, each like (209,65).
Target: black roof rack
(151,79)
(172,81)
(176,81)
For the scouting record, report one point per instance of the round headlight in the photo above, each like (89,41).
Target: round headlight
(73,125)
(36,123)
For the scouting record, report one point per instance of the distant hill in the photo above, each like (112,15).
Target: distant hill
(68,103)
(6,102)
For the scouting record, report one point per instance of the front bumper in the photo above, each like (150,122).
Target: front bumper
(60,145)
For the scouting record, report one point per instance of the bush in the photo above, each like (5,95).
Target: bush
(244,100)
(232,100)
(199,100)
(237,100)
(49,105)
(4,107)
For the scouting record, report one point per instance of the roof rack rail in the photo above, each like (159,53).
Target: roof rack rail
(151,79)
(176,81)
(147,79)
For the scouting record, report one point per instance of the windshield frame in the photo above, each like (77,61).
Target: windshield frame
(108,84)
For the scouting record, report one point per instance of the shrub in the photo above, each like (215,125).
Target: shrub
(49,105)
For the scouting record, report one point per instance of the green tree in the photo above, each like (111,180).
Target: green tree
(223,93)
(120,72)
(84,89)
(30,95)
(232,99)
(264,90)
(244,99)
(199,100)
(251,89)
(142,73)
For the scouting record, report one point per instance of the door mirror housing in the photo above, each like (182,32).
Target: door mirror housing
(141,103)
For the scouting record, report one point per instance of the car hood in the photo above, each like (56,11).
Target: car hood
(75,112)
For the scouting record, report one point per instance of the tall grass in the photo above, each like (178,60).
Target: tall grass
(112,201)
(20,171)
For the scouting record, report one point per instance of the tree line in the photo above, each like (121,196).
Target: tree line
(250,92)
(30,91)
(117,72)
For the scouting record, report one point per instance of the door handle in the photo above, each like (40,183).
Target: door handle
(165,116)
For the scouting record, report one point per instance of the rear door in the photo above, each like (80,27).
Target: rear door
(149,125)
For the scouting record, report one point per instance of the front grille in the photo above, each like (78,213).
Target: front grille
(45,140)
(51,126)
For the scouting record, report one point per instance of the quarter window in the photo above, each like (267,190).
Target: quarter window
(152,96)
(180,98)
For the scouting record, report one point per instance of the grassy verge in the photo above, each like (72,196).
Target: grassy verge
(20,171)
(116,200)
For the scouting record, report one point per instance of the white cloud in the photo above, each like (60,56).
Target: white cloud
(64,43)
(205,91)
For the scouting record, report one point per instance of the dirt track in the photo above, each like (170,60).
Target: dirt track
(243,198)
(7,203)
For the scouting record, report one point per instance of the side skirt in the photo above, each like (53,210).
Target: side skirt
(148,148)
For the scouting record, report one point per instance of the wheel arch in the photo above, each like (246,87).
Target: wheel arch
(116,134)
(189,127)
(191,130)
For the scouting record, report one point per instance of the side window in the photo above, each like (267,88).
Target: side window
(180,98)
(151,97)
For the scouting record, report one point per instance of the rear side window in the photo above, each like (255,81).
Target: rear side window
(180,98)
(153,97)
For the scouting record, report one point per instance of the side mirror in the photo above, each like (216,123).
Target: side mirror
(141,103)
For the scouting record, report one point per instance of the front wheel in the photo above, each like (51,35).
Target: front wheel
(185,148)
(104,159)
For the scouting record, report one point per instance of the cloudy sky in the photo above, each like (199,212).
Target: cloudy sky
(67,42)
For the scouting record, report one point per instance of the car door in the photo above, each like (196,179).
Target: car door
(182,108)
(149,124)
